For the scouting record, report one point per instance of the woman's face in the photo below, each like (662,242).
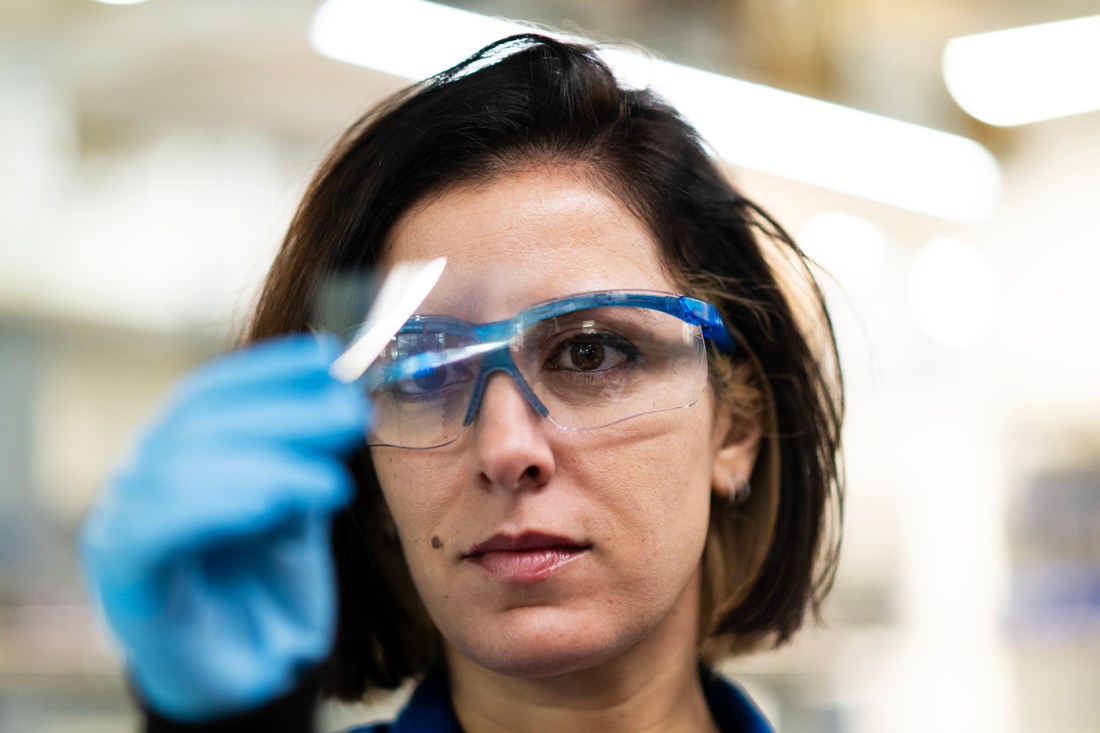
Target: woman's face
(539,551)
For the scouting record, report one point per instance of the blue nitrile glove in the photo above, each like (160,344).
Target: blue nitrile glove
(209,551)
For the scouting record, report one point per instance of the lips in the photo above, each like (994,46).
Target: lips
(525,558)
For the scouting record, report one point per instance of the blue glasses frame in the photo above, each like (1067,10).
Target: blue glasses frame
(490,340)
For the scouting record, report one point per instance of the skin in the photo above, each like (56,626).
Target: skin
(607,641)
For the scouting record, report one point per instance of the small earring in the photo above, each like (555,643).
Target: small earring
(738,491)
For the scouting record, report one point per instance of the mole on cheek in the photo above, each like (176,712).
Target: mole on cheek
(437,543)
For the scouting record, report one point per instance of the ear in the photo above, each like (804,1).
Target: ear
(735,457)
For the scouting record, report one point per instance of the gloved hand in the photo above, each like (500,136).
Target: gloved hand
(209,550)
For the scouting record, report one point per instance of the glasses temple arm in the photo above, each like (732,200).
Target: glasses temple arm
(710,321)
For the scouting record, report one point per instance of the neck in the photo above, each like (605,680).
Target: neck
(652,686)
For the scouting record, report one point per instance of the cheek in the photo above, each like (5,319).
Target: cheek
(419,488)
(656,491)
(681,503)
(411,487)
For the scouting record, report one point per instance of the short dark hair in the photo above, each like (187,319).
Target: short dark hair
(532,100)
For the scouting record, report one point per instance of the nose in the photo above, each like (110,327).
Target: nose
(510,438)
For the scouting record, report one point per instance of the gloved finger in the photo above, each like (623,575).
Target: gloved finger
(278,390)
(232,492)
(279,360)
(327,415)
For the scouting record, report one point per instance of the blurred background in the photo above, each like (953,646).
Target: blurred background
(151,155)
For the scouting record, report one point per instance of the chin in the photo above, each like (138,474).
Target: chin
(542,662)
(535,643)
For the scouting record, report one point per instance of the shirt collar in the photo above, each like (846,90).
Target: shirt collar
(429,708)
(732,709)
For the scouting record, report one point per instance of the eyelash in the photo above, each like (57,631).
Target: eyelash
(630,354)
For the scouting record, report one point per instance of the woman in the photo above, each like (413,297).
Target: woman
(630,480)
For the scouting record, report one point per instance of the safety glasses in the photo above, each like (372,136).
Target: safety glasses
(583,362)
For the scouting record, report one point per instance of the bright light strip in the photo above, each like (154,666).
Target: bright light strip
(1022,75)
(748,125)
(120,2)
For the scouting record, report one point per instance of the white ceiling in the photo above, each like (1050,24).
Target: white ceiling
(142,69)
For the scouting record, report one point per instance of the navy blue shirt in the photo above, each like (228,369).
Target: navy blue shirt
(429,709)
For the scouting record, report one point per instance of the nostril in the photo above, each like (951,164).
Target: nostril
(530,477)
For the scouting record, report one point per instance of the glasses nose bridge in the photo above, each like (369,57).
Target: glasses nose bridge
(501,361)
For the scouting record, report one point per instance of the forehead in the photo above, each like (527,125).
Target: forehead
(525,237)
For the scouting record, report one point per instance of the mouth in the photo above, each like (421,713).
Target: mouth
(525,558)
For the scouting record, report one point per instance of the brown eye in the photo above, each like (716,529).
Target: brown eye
(587,356)
(591,352)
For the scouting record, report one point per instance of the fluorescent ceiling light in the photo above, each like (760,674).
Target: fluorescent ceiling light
(1028,74)
(748,125)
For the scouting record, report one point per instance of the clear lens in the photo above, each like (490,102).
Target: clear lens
(584,369)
